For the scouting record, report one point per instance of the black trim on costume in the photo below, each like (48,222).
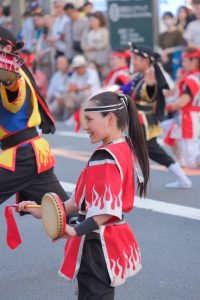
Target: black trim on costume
(85,227)
(19,137)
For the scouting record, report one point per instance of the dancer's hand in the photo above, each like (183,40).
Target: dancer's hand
(69,231)
(36,211)
(149,77)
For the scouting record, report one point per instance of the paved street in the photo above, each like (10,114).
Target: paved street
(166,225)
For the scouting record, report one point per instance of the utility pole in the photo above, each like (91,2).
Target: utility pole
(17,9)
(155,21)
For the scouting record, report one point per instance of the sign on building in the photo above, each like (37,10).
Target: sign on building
(130,20)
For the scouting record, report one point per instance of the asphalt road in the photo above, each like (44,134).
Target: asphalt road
(169,243)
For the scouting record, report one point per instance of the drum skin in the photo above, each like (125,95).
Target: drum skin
(53,215)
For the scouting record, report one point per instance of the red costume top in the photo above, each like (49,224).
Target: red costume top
(118,76)
(187,124)
(189,114)
(106,186)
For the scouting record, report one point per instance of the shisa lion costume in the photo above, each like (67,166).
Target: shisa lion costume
(26,160)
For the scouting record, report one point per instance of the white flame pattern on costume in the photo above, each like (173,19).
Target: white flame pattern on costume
(107,200)
(131,267)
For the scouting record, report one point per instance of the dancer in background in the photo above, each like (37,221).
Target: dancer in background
(145,89)
(185,130)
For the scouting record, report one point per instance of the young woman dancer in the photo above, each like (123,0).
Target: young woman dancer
(101,248)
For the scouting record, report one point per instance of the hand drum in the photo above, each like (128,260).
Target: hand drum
(53,215)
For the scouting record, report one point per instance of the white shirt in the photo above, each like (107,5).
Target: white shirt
(59,27)
(90,77)
(192,33)
(58,84)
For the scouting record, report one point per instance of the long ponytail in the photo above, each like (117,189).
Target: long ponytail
(128,115)
(138,144)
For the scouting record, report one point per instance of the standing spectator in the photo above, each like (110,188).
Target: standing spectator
(87,8)
(2,16)
(95,41)
(170,41)
(27,30)
(78,25)
(44,49)
(192,33)
(182,18)
(38,20)
(59,29)
(57,88)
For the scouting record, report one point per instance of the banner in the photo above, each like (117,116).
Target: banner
(130,20)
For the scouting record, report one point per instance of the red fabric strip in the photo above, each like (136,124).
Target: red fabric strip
(13,237)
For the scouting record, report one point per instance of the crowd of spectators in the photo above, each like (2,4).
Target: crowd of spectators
(72,57)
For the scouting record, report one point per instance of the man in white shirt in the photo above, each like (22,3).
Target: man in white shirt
(83,83)
(192,33)
(60,27)
(57,88)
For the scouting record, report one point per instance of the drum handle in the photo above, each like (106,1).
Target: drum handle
(27,206)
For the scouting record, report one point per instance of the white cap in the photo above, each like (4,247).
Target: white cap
(79,61)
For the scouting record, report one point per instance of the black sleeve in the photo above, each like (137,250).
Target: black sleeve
(186,90)
(101,155)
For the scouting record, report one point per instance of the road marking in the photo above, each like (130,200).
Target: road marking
(73,134)
(70,154)
(155,205)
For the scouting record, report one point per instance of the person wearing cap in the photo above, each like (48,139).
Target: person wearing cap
(185,130)
(83,83)
(26,160)
(146,91)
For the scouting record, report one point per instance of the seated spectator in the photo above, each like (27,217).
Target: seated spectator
(83,83)
(57,88)
(119,73)
(192,33)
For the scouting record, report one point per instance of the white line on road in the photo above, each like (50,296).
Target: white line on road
(73,134)
(155,205)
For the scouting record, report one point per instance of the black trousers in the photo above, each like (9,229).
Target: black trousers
(158,154)
(93,277)
(26,180)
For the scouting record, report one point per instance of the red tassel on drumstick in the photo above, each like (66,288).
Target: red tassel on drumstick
(13,237)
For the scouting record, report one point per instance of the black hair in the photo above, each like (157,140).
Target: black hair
(137,141)
(69,6)
(168,14)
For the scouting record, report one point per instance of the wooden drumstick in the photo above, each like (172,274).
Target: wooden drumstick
(27,206)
